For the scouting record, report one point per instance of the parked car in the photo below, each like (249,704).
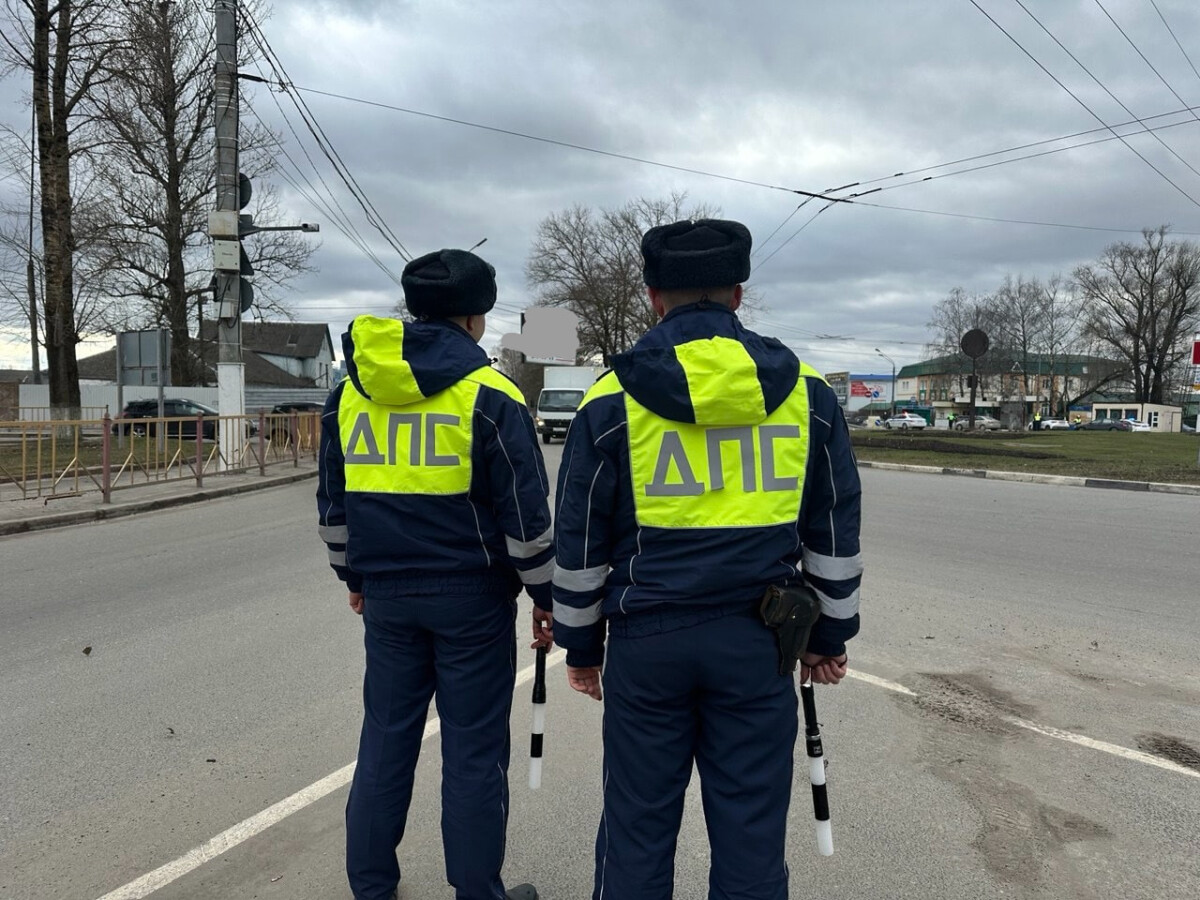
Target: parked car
(279,432)
(1135,425)
(984,422)
(181,408)
(298,406)
(1052,425)
(1104,425)
(905,421)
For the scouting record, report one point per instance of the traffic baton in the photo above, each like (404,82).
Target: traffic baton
(539,719)
(816,769)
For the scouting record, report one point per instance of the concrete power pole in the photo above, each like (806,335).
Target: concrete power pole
(31,282)
(231,376)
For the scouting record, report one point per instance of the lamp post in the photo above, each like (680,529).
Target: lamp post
(893,362)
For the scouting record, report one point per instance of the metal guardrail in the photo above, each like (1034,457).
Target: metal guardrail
(66,458)
(45,413)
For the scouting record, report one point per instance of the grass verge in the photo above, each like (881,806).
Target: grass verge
(1128,456)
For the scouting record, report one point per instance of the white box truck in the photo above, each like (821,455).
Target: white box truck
(562,392)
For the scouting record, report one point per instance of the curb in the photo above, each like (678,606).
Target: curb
(1154,487)
(104,513)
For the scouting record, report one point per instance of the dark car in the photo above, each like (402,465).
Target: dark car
(188,411)
(1105,425)
(279,429)
(298,406)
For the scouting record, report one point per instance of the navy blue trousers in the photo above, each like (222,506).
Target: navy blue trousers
(461,648)
(708,694)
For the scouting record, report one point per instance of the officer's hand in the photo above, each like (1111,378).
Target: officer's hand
(543,629)
(356,602)
(586,681)
(823,669)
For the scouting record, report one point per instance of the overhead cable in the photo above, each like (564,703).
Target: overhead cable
(324,143)
(1077,99)
(1104,87)
(1138,51)
(1176,39)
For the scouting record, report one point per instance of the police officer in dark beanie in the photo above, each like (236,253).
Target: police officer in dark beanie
(708,470)
(432,501)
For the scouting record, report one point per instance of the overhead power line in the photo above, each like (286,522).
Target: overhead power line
(323,142)
(567,144)
(331,208)
(796,233)
(1138,51)
(1104,87)
(1066,137)
(1173,37)
(830,195)
(1078,100)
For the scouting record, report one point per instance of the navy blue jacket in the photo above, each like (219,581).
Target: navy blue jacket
(429,464)
(702,367)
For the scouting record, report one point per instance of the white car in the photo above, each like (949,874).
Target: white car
(1135,425)
(1052,425)
(905,421)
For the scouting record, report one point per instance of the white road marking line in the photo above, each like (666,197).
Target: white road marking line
(272,815)
(1058,734)
(1103,746)
(880,682)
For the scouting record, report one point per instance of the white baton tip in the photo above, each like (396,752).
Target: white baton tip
(539,718)
(535,775)
(825,838)
(816,770)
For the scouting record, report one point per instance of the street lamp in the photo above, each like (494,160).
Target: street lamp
(893,362)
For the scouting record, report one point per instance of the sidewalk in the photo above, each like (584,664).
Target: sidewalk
(18,516)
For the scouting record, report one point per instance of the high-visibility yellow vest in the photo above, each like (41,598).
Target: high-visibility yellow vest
(419,448)
(712,474)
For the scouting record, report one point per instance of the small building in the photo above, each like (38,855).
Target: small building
(1158,416)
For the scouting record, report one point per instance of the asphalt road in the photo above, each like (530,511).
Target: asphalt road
(1030,650)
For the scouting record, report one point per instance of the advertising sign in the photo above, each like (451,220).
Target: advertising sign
(859,389)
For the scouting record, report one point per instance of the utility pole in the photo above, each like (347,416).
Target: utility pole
(231,375)
(34,347)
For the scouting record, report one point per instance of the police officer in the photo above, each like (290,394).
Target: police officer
(432,501)
(950,419)
(1037,421)
(709,464)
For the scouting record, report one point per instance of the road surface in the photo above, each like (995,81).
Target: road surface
(1025,720)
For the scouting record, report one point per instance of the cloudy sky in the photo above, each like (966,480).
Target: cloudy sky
(759,99)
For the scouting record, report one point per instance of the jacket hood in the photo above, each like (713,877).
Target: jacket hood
(397,363)
(700,365)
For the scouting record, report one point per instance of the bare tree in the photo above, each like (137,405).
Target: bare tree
(157,116)
(591,262)
(1141,301)
(65,47)
(953,317)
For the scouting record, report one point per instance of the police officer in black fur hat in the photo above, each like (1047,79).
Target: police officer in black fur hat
(708,465)
(432,501)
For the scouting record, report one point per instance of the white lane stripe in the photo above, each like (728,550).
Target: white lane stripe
(880,682)
(1103,746)
(1058,734)
(272,815)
